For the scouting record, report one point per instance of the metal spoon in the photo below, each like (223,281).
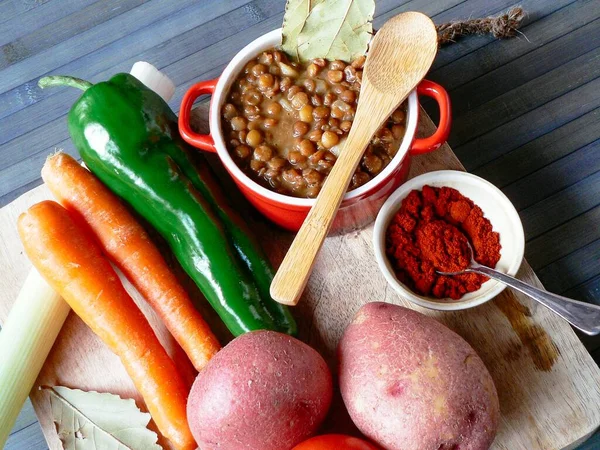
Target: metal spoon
(583,316)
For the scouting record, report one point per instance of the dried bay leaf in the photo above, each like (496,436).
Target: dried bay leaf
(330,29)
(296,13)
(94,421)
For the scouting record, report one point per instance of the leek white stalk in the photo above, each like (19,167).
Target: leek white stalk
(26,338)
(154,79)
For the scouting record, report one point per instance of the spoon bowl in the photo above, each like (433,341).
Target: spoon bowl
(472,267)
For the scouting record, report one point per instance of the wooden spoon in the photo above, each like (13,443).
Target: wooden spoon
(399,56)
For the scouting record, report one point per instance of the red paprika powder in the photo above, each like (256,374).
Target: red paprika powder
(430,233)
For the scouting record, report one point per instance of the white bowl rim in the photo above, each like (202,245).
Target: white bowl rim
(228,75)
(391,206)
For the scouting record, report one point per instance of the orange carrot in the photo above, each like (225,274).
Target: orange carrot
(129,247)
(72,263)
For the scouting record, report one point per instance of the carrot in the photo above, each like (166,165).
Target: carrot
(72,263)
(129,247)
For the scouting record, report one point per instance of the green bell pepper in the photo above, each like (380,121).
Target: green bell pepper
(128,137)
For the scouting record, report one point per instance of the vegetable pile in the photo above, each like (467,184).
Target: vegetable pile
(407,381)
(127,136)
(129,247)
(73,264)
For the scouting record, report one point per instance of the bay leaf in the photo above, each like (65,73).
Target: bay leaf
(94,421)
(296,13)
(330,29)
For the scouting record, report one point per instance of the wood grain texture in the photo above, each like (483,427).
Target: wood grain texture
(30,437)
(25,417)
(548,148)
(565,171)
(399,57)
(575,268)
(572,201)
(530,125)
(549,385)
(532,94)
(588,291)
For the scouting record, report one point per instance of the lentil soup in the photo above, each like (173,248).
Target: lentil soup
(285,122)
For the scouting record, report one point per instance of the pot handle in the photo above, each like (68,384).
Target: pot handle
(202,141)
(433,142)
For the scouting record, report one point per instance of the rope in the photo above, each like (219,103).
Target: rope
(501,27)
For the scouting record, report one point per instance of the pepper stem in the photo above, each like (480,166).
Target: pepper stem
(63,80)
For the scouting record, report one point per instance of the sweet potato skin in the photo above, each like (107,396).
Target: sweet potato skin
(410,383)
(264,390)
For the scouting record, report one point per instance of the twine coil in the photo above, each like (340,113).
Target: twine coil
(501,27)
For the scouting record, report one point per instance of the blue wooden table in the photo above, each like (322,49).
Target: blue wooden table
(526,110)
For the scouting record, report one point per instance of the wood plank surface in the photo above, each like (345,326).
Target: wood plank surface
(548,384)
(588,291)
(571,202)
(534,113)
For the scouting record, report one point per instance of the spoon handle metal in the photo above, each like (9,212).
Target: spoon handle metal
(584,316)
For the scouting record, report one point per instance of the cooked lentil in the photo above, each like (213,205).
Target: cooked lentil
(284,123)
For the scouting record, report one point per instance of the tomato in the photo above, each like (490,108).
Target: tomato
(335,442)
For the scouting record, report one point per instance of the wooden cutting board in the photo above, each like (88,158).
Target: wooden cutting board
(548,384)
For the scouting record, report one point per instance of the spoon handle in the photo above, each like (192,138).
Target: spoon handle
(584,316)
(293,274)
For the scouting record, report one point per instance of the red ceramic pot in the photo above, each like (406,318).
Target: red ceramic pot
(360,206)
